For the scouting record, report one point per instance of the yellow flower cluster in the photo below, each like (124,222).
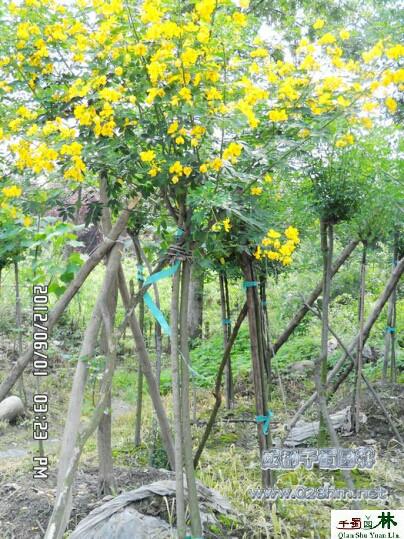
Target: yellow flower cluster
(345,140)
(232,152)
(12,192)
(219,225)
(278,115)
(274,249)
(178,170)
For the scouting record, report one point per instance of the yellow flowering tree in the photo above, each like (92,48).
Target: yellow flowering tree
(186,105)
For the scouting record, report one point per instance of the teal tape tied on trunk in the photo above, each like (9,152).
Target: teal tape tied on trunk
(250,284)
(140,273)
(226,321)
(265,420)
(390,329)
(148,300)
(179,232)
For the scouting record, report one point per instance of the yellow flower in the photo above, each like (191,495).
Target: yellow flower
(303,133)
(395,52)
(12,192)
(175,179)
(187,171)
(110,94)
(227,224)
(258,253)
(216,164)
(203,168)
(273,234)
(189,57)
(292,234)
(205,8)
(180,140)
(173,128)
(268,178)
(367,122)
(27,221)
(147,156)
(232,152)
(118,71)
(256,191)
(176,168)
(213,94)
(391,104)
(318,24)
(154,171)
(345,140)
(239,19)
(185,94)
(272,255)
(326,39)
(139,50)
(344,34)
(244,4)
(278,115)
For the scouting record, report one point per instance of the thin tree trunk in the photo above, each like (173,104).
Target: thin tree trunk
(260,390)
(196,525)
(380,303)
(69,294)
(106,480)
(326,231)
(359,351)
(195,309)
(18,323)
(388,335)
(226,324)
(303,310)
(154,390)
(177,409)
(139,388)
(217,389)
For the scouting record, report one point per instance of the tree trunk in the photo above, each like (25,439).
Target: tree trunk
(226,324)
(195,309)
(327,240)
(304,309)
(139,386)
(196,525)
(359,350)
(177,409)
(390,336)
(69,294)
(260,390)
(18,325)
(106,480)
